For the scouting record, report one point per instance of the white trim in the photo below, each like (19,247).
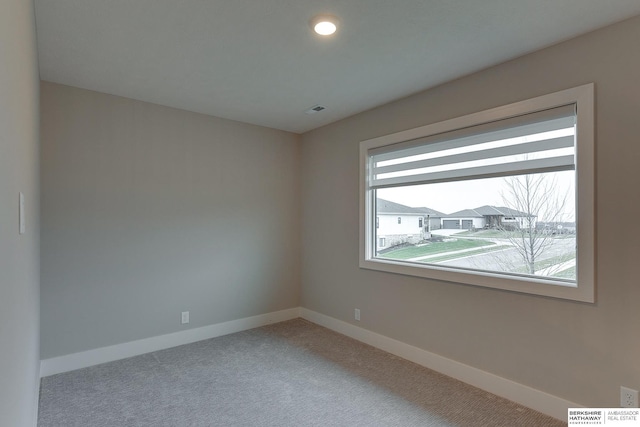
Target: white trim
(585,291)
(97,356)
(527,396)
(36,398)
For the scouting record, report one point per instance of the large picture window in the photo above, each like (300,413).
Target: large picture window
(504,198)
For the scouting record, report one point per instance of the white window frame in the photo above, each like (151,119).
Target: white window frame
(584,289)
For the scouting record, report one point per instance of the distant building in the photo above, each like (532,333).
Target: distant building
(486,217)
(556,227)
(397,224)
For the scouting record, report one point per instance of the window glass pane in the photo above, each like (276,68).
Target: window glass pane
(517,225)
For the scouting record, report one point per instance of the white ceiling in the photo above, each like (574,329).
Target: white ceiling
(257,61)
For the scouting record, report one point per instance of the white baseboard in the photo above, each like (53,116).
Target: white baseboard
(36,397)
(516,392)
(97,356)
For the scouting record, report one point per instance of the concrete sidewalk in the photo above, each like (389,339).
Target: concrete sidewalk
(461,251)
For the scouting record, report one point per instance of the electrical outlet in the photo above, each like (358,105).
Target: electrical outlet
(357,314)
(185,317)
(628,397)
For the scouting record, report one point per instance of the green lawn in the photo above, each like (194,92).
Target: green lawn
(449,257)
(435,248)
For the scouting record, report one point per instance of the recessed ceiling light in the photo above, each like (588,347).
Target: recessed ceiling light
(325,25)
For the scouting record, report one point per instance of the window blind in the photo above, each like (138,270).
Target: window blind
(543,141)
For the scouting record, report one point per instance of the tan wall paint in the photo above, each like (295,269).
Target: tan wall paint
(580,352)
(19,258)
(148,211)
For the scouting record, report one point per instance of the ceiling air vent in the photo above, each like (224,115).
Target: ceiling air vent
(315,109)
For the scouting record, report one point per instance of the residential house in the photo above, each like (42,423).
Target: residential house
(397,224)
(486,217)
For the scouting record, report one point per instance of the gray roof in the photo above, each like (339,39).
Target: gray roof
(500,210)
(487,210)
(385,206)
(430,212)
(466,213)
(388,207)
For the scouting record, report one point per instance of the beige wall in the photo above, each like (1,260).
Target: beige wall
(580,352)
(149,211)
(19,263)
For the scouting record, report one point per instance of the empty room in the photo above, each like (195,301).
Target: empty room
(319,213)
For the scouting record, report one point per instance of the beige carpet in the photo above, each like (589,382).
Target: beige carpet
(293,373)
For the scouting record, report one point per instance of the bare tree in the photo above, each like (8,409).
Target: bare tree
(532,198)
